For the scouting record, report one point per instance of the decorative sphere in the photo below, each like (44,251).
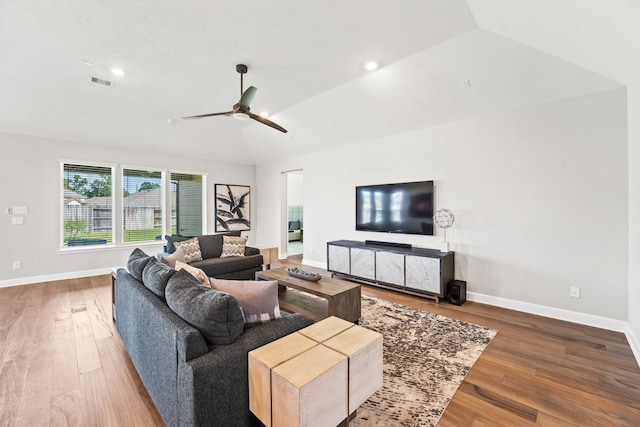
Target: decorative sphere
(443,218)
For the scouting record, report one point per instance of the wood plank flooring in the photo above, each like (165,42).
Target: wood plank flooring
(63,364)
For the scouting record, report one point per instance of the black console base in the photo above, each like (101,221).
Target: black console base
(391,244)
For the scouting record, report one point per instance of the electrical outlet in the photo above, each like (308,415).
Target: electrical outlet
(575,292)
(17,220)
(17,265)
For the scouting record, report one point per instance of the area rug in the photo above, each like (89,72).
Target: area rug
(426,358)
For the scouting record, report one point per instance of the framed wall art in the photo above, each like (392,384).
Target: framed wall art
(233,207)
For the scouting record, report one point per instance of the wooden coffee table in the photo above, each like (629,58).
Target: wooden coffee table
(342,297)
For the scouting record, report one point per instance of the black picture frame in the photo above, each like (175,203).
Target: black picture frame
(233,207)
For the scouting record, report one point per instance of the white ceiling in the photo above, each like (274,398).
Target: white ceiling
(306,59)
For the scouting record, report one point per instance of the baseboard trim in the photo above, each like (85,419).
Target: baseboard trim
(634,343)
(53,277)
(316,264)
(554,313)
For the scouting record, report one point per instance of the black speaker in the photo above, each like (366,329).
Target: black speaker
(457,292)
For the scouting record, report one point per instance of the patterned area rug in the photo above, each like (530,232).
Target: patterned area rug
(426,358)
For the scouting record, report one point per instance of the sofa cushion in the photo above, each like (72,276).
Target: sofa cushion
(191,249)
(155,277)
(171,259)
(216,315)
(257,298)
(211,244)
(194,271)
(233,246)
(138,260)
(171,241)
(217,266)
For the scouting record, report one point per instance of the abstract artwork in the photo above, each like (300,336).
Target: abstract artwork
(232,207)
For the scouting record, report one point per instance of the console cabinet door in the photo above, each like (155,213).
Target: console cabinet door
(363,263)
(423,273)
(338,259)
(390,268)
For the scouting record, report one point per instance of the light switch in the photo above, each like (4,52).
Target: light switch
(20,210)
(17,220)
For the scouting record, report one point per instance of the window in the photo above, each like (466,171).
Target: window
(142,203)
(187,204)
(87,209)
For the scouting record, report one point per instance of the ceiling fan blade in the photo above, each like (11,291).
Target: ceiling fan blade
(247,97)
(267,122)
(208,115)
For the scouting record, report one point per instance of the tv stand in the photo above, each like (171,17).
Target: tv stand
(391,244)
(416,271)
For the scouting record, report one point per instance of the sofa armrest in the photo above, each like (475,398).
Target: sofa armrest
(248,250)
(218,381)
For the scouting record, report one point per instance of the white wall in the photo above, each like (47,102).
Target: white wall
(634,217)
(539,194)
(295,189)
(30,177)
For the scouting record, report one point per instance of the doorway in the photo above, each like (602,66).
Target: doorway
(295,214)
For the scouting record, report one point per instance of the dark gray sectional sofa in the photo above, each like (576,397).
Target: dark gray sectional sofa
(192,381)
(236,268)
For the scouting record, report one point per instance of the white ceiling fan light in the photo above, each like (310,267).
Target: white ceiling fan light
(117,71)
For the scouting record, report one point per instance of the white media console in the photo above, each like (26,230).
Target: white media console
(418,271)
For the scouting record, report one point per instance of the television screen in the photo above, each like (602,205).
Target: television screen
(395,208)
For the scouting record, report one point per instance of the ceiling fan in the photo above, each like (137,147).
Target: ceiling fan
(241,109)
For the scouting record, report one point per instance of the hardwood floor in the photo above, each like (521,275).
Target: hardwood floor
(63,363)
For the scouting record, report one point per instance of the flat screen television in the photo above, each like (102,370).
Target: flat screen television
(405,208)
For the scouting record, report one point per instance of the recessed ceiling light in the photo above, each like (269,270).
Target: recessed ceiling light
(117,71)
(371,65)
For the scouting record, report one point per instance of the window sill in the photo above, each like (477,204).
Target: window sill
(109,247)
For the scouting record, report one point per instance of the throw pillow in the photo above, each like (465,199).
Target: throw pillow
(233,246)
(216,315)
(155,277)
(257,298)
(191,249)
(138,260)
(200,275)
(170,260)
(171,240)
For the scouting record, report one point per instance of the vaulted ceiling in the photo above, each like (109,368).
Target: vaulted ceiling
(441,61)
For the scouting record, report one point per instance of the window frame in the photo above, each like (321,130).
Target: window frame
(117,204)
(61,221)
(163,205)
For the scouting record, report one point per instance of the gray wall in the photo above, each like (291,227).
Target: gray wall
(30,176)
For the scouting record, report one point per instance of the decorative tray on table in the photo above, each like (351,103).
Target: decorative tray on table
(301,274)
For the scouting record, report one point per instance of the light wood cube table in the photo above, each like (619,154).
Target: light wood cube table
(318,375)
(269,254)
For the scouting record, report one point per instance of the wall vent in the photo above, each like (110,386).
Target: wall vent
(101,81)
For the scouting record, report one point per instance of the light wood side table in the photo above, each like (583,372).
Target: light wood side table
(269,254)
(316,376)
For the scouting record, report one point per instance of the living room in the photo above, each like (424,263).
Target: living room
(530,131)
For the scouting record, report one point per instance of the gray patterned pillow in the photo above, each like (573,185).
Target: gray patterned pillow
(191,249)
(257,298)
(233,246)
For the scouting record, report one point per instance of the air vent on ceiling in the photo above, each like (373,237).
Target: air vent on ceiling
(101,81)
